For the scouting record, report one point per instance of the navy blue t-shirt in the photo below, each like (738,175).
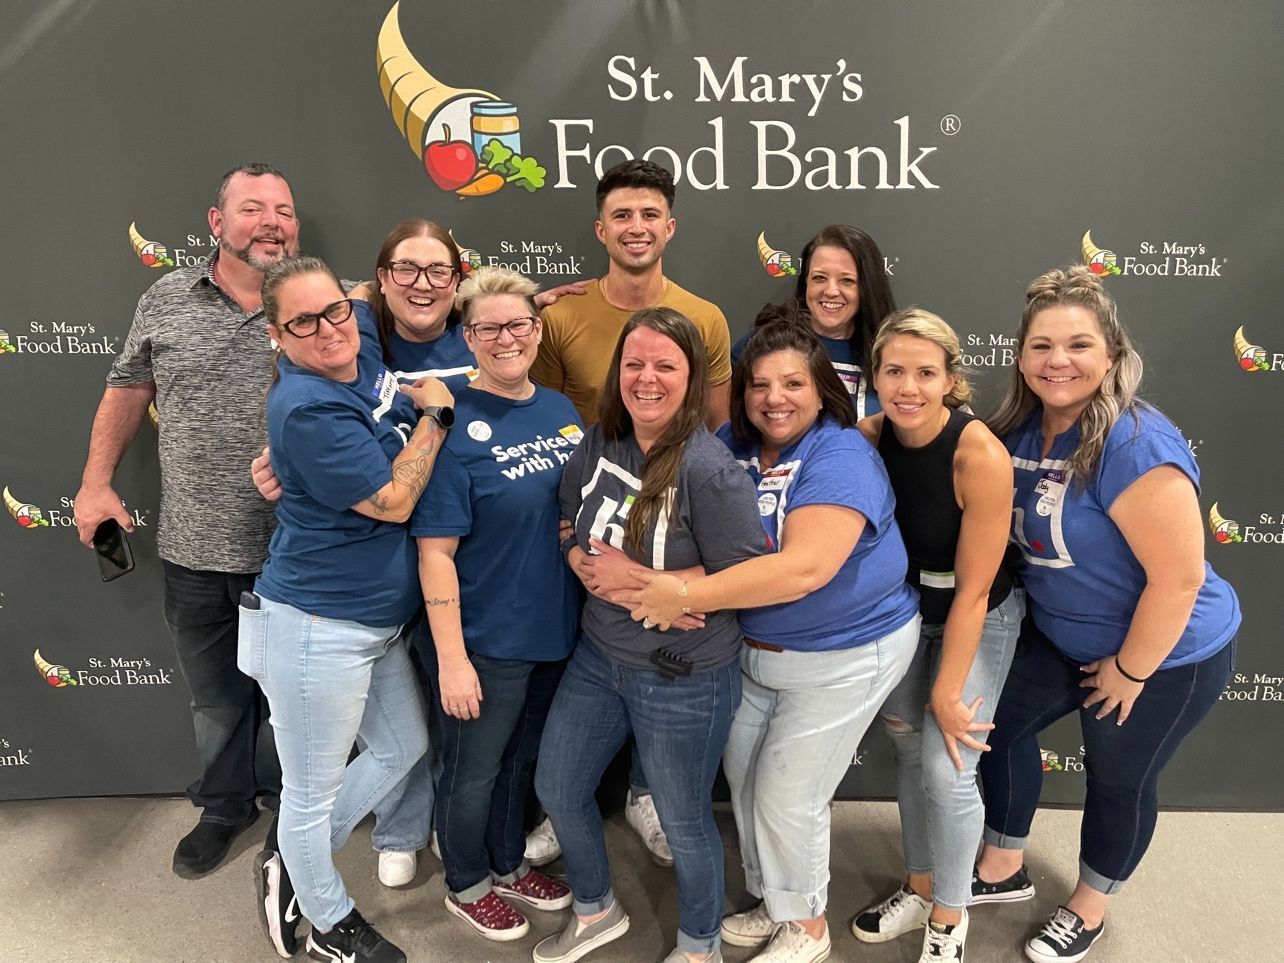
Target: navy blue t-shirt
(447,358)
(495,487)
(332,447)
(844,361)
(1080,575)
(868,597)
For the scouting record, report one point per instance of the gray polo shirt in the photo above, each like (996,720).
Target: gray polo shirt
(212,364)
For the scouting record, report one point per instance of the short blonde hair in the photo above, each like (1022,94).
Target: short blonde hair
(488,281)
(920,323)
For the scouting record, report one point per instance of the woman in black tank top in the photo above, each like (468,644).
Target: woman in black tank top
(953,484)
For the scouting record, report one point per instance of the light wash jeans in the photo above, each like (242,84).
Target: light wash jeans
(328,681)
(796,732)
(941,811)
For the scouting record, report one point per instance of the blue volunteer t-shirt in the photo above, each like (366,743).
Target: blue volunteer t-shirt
(1082,579)
(844,361)
(868,597)
(332,446)
(447,358)
(495,487)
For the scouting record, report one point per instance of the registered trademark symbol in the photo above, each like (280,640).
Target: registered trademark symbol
(951,125)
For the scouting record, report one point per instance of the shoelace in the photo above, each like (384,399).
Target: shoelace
(651,820)
(941,945)
(364,937)
(1061,928)
(895,903)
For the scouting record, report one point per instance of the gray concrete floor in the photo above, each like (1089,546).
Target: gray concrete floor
(89,879)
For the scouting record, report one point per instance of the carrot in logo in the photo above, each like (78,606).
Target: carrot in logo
(469,260)
(776,263)
(1251,357)
(26,515)
(432,116)
(1225,530)
(1100,262)
(152,253)
(58,676)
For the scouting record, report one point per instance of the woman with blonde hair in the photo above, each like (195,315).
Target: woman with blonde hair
(953,484)
(1128,625)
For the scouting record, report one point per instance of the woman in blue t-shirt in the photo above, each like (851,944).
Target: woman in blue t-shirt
(321,633)
(953,484)
(842,294)
(1128,625)
(502,607)
(830,627)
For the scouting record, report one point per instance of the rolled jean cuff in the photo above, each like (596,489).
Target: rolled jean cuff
(994,838)
(400,848)
(594,906)
(787,905)
(695,944)
(508,878)
(475,892)
(1094,880)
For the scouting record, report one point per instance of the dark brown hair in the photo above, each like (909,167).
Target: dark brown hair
(661,465)
(787,334)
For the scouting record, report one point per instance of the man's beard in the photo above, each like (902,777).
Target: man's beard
(246,254)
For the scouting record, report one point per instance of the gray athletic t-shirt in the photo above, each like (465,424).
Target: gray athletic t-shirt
(714,524)
(211,363)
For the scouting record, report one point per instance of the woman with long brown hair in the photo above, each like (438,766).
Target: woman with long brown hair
(651,480)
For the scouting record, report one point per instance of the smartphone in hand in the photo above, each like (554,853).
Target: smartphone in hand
(112,548)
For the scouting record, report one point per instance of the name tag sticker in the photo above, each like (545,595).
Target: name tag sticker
(1051,487)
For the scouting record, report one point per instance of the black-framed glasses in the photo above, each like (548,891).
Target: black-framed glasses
(518,328)
(306,325)
(406,273)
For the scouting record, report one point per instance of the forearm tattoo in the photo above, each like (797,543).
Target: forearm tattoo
(414,472)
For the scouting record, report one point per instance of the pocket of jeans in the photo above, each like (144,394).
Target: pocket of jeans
(251,643)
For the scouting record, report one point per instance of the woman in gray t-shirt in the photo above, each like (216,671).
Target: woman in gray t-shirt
(650,480)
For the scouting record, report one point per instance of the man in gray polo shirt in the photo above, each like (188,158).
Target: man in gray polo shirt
(199,348)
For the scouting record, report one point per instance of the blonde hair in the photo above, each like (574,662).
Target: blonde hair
(488,281)
(1077,286)
(918,322)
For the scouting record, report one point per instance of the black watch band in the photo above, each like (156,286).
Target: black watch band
(443,415)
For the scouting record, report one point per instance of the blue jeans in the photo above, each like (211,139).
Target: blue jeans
(328,681)
(403,818)
(1122,763)
(487,766)
(680,726)
(802,720)
(941,811)
(229,714)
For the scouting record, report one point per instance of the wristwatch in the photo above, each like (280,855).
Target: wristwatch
(444,416)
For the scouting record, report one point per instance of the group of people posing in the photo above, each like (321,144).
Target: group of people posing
(516,532)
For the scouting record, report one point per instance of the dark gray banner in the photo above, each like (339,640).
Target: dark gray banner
(980,143)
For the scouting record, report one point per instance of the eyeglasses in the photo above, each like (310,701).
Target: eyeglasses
(518,328)
(406,273)
(306,325)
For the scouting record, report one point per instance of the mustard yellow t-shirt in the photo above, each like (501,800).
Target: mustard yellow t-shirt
(580,334)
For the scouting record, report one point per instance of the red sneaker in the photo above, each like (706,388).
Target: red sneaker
(537,890)
(491,917)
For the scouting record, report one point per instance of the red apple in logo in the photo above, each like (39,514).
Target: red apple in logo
(450,163)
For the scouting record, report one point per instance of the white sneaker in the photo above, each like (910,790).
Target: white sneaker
(944,944)
(752,928)
(902,912)
(542,846)
(432,844)
(641,814)
(397,869)
(791,944)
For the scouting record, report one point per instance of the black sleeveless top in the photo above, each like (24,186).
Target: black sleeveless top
(929,516)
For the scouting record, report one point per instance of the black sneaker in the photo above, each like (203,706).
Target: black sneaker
(352,940)
(1011,890)
(278,907)
(201,851)
(1063,939)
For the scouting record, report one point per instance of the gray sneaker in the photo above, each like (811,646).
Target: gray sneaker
(579,939)
(677,956)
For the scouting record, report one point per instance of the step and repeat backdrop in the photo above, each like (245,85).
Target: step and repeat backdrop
(980,143)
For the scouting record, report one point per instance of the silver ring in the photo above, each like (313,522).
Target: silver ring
(648,624)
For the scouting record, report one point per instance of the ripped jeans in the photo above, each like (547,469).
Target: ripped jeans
(941,811)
